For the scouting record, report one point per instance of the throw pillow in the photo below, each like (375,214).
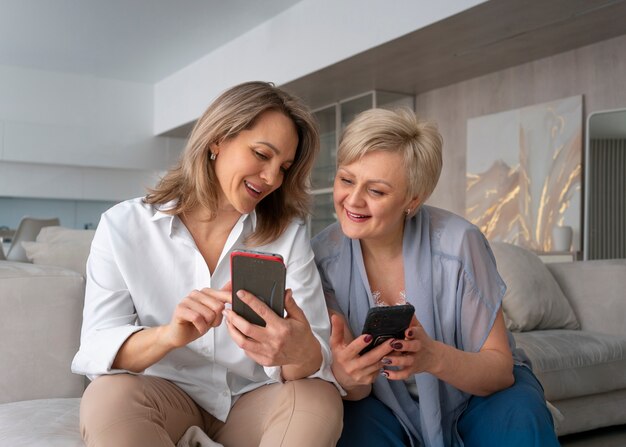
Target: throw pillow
(63,247)
(533,299)
(62,234)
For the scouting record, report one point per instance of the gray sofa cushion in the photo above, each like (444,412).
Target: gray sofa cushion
(596,291)
(571,363)
(41,423)
(533,299)
(41,308)
(63,247)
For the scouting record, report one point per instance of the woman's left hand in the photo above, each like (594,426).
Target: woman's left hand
(415,354)
(479,373)
(282,342)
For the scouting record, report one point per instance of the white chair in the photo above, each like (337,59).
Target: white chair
(5,233)
(27,230)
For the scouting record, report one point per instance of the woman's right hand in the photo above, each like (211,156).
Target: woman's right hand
(354,372)
(193,317)
(198,312)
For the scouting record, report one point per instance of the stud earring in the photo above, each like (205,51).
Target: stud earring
(408,211)
(213,156)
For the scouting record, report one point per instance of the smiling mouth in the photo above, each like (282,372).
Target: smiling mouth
(356,217)
(252,189)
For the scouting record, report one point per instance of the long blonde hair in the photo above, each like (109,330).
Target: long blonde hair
(193,182)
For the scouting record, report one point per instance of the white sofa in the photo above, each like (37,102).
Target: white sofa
(583,370)
(570,320)
(41,310)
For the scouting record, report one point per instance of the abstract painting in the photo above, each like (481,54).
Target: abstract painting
(524,173)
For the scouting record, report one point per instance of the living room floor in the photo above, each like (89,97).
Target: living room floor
(603,437)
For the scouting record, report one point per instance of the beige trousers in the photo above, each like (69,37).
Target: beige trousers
(135,410)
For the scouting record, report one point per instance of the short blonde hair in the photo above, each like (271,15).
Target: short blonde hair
(397,131)
(193,182)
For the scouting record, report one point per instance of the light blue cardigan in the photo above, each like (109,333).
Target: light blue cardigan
(451,279)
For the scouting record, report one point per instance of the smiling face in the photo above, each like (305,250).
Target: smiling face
(252,164)
(370,196)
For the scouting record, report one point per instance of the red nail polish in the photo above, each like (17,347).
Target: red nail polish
(410,333)
(368,338)
(397,346)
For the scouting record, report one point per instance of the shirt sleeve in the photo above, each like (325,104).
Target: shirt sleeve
(109,315)
(304,280)
(329,292)
(480,291)
(324,257)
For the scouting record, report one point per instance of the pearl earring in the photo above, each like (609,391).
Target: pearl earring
(408,211)
(213,156)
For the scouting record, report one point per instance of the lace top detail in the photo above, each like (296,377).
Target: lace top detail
(379,302)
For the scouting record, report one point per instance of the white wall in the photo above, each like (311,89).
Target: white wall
(77,137)
(53,181)
(307,37)
(71,213)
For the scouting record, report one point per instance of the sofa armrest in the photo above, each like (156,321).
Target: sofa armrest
(597,292)
(41,308)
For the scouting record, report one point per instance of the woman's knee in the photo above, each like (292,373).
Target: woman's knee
(135,410)
(528,394)
(515,416)
(108,398)
(316,396)
(369,422)
(317,404)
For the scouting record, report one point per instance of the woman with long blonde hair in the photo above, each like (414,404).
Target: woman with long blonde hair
(159,340)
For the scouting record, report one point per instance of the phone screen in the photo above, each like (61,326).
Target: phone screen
(263,275)
(386,322)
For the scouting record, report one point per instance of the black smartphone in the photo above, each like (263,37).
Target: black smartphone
(262,274)
(387,322)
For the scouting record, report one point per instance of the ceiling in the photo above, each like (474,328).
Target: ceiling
(489,37)
(148,40)
(131,40)
(492,36)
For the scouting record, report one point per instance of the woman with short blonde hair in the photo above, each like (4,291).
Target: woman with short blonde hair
(452,376)
(419,142)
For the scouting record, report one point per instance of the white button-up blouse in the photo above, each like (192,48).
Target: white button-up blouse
(143,262)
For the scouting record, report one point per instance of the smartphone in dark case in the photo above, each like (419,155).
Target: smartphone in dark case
(387,322)
(263,275)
